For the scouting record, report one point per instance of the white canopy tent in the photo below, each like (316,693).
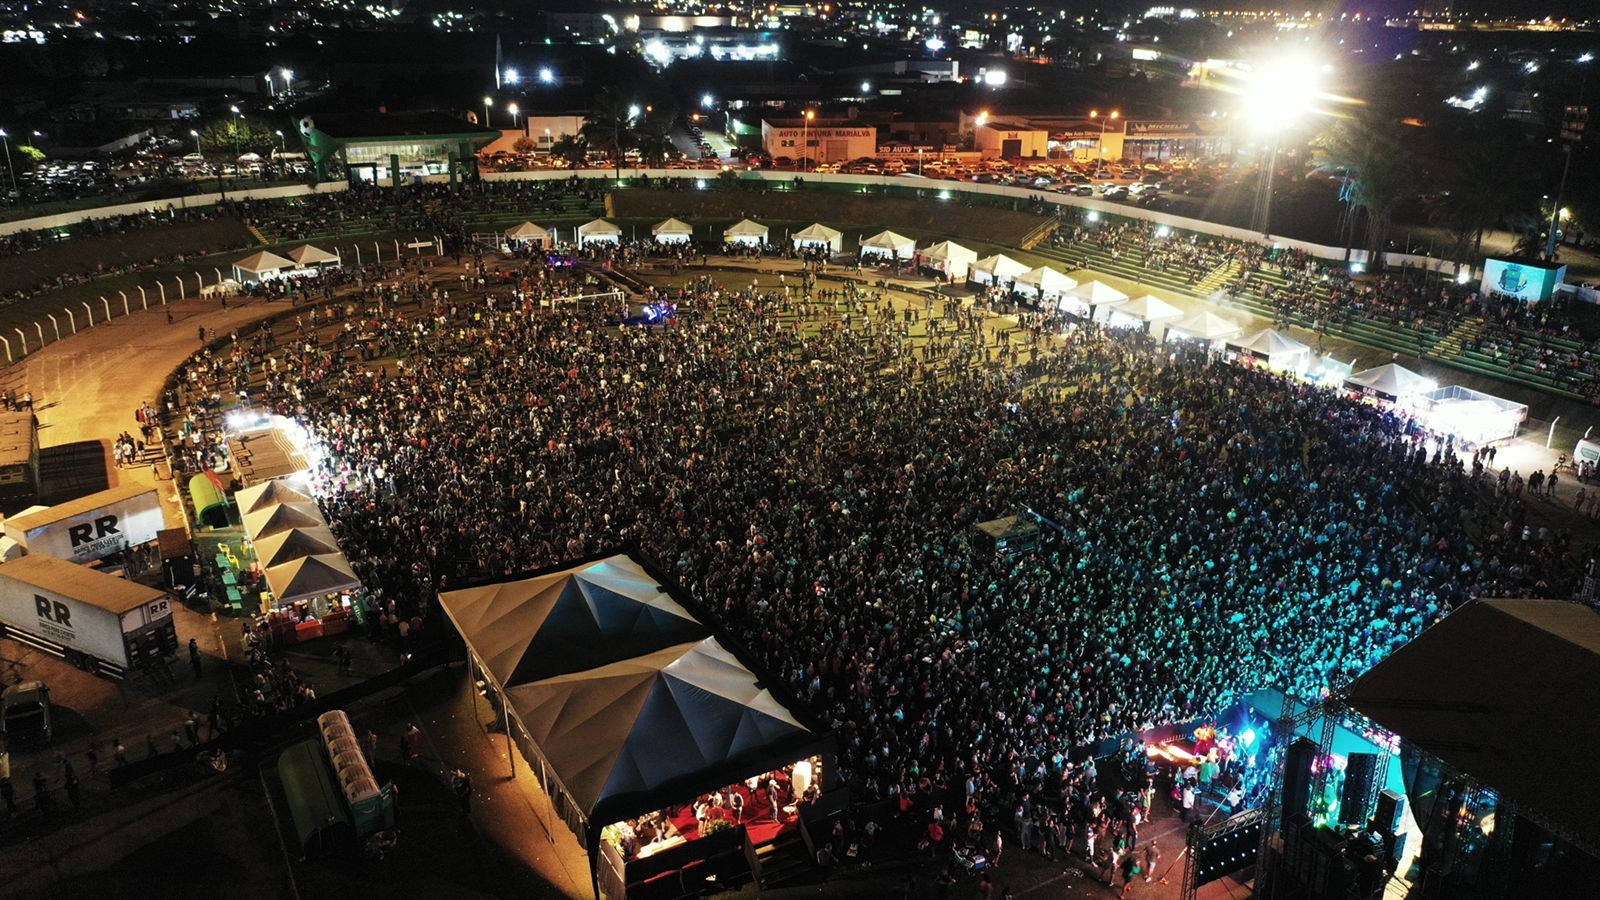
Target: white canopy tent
(1471,416)
(288,546)
(306,256)
(948,257)
(1204,325)
(1276,349)
(996,268)
(269,493)
(1091,294)
(600,231)
(1142,311)
(887,243)
(672,231)
(311,576)
(818,235)
(261,266)
(1391,383)
(1043,282)
(528,233)
(280,517)
(745,231)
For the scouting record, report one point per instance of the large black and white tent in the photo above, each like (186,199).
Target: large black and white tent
(626,698)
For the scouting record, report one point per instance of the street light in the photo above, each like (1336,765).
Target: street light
(196,135)
(288,79)
(1100,146)
(708,101)
(546,76)
(805,142)
(514,112)
(283,145)
(487,102)
(238,129)
(32,136)
(512,76)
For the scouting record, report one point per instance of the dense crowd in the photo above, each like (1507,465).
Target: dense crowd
(1206,529)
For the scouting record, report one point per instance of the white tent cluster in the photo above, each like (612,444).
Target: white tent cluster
(295,547)
(264,265)
(628,700)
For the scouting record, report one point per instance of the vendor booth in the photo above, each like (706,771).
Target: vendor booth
(1273,349)
(261,266)
(888,245)
(1141,312)
(818,236)
(1471,416)
(1391,383)
(672,231)
(996,269)
(631,706)
(528,233)
(1091,295)
(948,259)
(309,586)
(306,256)
(745,232)
(1203,326)
(598,231)
(294,544)
(1043,283)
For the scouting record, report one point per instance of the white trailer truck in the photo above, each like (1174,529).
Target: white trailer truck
(98,622)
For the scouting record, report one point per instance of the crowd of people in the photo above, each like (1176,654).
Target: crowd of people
(810,464)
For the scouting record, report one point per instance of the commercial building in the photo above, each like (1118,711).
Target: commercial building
(379,145)
(19,456)
(822,140)
(1011,140)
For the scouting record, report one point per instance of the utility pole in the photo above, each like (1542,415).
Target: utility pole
(1573,121)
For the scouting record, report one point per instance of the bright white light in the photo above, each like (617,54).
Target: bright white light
(633,111)
(1358,268)
(866,87)
(1463,276)
(545,75)
(1472,66)
(1092,216)
(708,101)
(1279,92)
(1471,102)
(511,76)
(657,51)
(934,44)
(1163,231)
(1586,57)
(1530,67)
(994,77)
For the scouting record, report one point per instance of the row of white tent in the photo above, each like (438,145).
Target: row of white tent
(265,264)
(670,231)
(293,543)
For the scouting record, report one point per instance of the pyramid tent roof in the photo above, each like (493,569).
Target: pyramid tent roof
(1046,280)
(1096,293)
(1270,342)
(288,546)
(672,226)
(311,576)
(948,250)
(527,231)
(263,261)
(890,241)
(1391,381)
(268,493)
(599,226)
(1205,325)
(569,619)
(683,717)
(281,517)
(1000,266)
(307,255)
(1150,308)
(817,231)
(746,228)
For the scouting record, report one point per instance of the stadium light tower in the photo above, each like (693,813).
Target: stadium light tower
(487,102)
(1276,95)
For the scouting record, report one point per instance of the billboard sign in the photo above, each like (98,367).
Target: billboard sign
(1521,279)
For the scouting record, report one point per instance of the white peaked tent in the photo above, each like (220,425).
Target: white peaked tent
(996,268)
(268,493)
(1148,308)
(1392,383)
(818,235)
(887,243)
(948,257)
(306,256)
(1202,326)
(1043,282)
(260,266)
(311,576)
(568,620)
(288,546)
(672,231)
(528,233)
(598,230)
(1276,349)
(745,231)
(1097,293)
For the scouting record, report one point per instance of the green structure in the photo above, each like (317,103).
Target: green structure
(374,146)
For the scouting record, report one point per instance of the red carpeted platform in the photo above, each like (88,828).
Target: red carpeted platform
(757,818)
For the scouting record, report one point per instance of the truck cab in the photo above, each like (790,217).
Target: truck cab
(25,711)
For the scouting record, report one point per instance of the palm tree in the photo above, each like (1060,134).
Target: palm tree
(1474,187)
(609,127)
(653,138)
(1378,155)
(571,148)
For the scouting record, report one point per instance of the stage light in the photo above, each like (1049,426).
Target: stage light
(1279,92)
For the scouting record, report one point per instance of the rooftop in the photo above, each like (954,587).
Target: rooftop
(17,430)
(108,592)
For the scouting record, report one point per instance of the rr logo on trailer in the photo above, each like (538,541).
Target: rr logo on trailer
(102,527)
(53,611)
